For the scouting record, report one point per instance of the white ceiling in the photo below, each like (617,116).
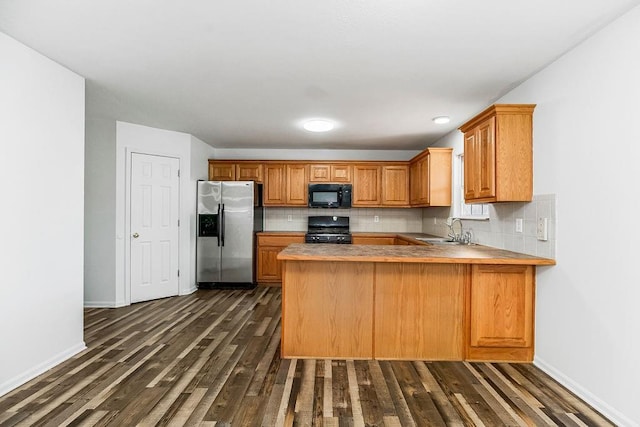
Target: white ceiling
(245,73)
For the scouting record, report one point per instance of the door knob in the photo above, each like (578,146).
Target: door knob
(136,235)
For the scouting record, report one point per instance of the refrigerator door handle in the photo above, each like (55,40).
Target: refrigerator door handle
(219,226)
(222,225)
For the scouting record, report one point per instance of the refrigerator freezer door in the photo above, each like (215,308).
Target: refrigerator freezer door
(208,244)
(237,233)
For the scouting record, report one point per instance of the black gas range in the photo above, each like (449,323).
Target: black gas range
(328,229)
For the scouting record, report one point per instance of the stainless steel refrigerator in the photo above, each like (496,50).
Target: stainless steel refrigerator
(229,214)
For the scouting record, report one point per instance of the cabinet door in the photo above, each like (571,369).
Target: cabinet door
(274,185)
(297,185)
(471,165)
(222,171)
(366,185)
(249,172)
(395,185)
(319,173)
(419,177)
(269,268)
(414,183)
(487,158)
(341,173)
(501,312)
(425,184)
(438,169)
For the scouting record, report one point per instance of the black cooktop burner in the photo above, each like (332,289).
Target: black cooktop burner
(328,229)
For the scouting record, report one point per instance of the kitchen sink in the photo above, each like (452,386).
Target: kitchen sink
(441,241)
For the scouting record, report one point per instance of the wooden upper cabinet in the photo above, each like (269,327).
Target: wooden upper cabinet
(415,183)
(234,171)
(330,173)
(430,178)
(380,184)
(222,171)
(367,182)
(341,173)
(297,183)
(498,163)
(395,185)
(285,184)
(249,172)
(273,192)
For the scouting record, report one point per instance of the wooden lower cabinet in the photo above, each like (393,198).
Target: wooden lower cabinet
(501,312)
(419,311)
(407,311)
(268,268)
(329,313)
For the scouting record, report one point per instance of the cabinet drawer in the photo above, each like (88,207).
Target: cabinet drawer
(358,240)
(279,240)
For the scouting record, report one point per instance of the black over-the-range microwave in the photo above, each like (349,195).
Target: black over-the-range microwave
(329,195)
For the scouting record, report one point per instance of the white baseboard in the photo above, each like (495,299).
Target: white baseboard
(600,405)
(104,304)
(188,291)
(15,382)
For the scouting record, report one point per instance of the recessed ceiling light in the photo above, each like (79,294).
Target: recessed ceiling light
(441,120)
(318,125)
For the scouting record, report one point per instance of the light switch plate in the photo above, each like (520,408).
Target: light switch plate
(376,218)
(543,229)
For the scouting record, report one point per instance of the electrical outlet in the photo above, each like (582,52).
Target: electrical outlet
(543,229)
(376,218)
(289,218)
(518,225)
(435,222)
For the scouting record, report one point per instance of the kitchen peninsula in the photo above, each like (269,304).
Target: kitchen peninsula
(423,302)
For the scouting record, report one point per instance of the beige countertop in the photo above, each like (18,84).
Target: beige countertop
(435,254)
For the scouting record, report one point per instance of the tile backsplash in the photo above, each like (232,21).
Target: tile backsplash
(361,219)
(500,230)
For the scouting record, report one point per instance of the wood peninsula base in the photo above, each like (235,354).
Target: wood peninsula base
(349,309)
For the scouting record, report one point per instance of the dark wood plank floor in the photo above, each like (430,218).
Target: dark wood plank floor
(212,358)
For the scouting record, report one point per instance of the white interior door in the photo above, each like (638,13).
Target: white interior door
(155,186)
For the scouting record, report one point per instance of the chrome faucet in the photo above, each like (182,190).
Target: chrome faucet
(459,237)
(456,237)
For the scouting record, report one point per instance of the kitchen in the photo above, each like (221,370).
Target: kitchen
(584,100)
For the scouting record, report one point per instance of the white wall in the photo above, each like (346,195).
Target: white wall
(587,319)
(41,182)
(142,139)
(100,220)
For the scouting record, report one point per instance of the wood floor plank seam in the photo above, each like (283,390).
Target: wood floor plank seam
(514,418)
(213,358)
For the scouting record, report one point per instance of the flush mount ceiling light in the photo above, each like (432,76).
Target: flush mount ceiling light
(318,125)
(441,120)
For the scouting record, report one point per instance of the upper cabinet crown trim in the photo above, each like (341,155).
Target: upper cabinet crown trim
(497,109)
